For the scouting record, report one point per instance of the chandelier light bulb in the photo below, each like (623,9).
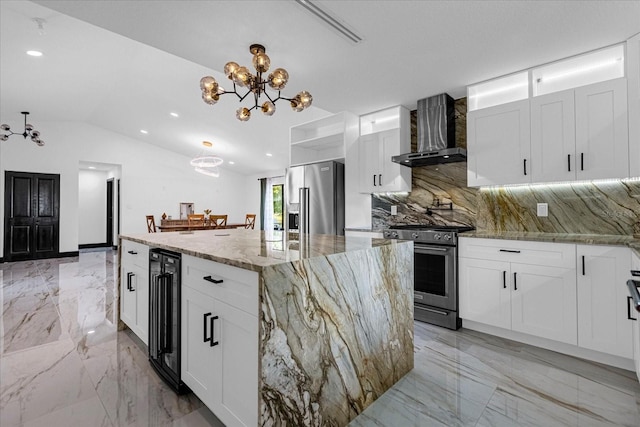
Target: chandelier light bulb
(243,114)
(4,137)
(230,68)
(305,98)
(261,62)
(208,83)
(242,76)
(268,108)
(5,127)
(278,79)
(296,104)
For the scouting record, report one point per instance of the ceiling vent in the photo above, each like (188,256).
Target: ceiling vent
(328,18)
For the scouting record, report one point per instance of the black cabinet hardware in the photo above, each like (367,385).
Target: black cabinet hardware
(132,252)
(374,180)
(212,280)
(569,162)
(380,180)
(525,166)
(515,281)
(510,251)
(504,280)
(635,273)
(129,282)
(213,342)
(581,161)
(629,299)
(583,270)
(205,338)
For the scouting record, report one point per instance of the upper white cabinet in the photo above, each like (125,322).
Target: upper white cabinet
(574,126)
(322,139)
(384,134)
(580,133)
(498,145)
(602,299)
(633,77)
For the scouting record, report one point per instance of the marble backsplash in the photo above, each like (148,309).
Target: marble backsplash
(606,207)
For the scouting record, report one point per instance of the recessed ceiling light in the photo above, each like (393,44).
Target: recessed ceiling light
(207,143)
(269,155)
(174,114)
(231,162)
(34,53)
(143,131)
(92,167)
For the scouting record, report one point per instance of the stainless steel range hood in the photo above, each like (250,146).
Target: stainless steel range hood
(436,134)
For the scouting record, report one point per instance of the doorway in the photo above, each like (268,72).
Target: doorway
(31,219)
(110,211)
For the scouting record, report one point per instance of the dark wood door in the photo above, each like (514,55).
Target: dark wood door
(31,221)
(110,212)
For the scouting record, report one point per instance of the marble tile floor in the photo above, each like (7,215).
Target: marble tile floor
(63,363)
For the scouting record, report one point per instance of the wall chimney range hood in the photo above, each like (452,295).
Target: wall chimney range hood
(436,134)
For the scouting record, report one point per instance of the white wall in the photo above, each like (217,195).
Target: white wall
(153,180)
(92,207)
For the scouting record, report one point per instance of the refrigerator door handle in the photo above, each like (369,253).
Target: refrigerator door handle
(153,317)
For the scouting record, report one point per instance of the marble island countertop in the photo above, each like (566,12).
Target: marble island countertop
(254,249)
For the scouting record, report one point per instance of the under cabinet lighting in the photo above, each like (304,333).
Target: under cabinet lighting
(581,70)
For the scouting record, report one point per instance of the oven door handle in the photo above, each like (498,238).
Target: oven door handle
(419,248)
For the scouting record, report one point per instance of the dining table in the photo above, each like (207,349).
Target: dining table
(187,227)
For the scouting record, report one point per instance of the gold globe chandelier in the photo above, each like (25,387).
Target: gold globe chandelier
(255,84)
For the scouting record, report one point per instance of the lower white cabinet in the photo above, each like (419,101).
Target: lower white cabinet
(569,293)
(134,288)
(219,341)
(528,298)
(635,265)
(602,299)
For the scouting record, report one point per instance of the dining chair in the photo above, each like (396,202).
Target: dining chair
(195,220)
(250,221)
(151,224)
(218,221)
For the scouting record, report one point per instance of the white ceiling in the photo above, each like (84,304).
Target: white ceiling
(154,53)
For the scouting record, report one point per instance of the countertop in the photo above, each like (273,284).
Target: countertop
(587,239)
(254,249)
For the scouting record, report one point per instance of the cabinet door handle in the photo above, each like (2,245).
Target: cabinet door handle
(212,280)
(635,273)
(129,282)
(205,338)
(213,342)
(525,166)
(510,251)
(581,161)
(583,270)
(504,280)
(515,281)
(132,252)
(374,180)
(380,180)
(629,309)
(569,162)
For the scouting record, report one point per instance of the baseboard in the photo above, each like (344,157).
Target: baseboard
(569,349)
(93,245)
(68,254)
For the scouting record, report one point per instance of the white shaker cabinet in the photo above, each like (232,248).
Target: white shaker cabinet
(635,265)
(553,137)
(602,299)
(498,148)
(528,287)
(384,134)
(220,338)
(633,100)
(602,138)
(134,287)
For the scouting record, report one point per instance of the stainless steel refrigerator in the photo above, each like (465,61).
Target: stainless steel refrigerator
(324,197)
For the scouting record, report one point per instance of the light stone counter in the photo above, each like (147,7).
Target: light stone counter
(335,317)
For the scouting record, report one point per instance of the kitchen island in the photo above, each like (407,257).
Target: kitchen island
(318,329)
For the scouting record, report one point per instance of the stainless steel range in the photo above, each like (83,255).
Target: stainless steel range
(435,271)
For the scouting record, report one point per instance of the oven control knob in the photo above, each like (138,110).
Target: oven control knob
(437,236)
(415,235)
(447,237)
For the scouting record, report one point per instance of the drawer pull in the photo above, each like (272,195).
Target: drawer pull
(510,251)
(635,273)
(132,252)
(212,280)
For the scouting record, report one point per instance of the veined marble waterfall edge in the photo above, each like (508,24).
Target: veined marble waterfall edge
(335,333)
